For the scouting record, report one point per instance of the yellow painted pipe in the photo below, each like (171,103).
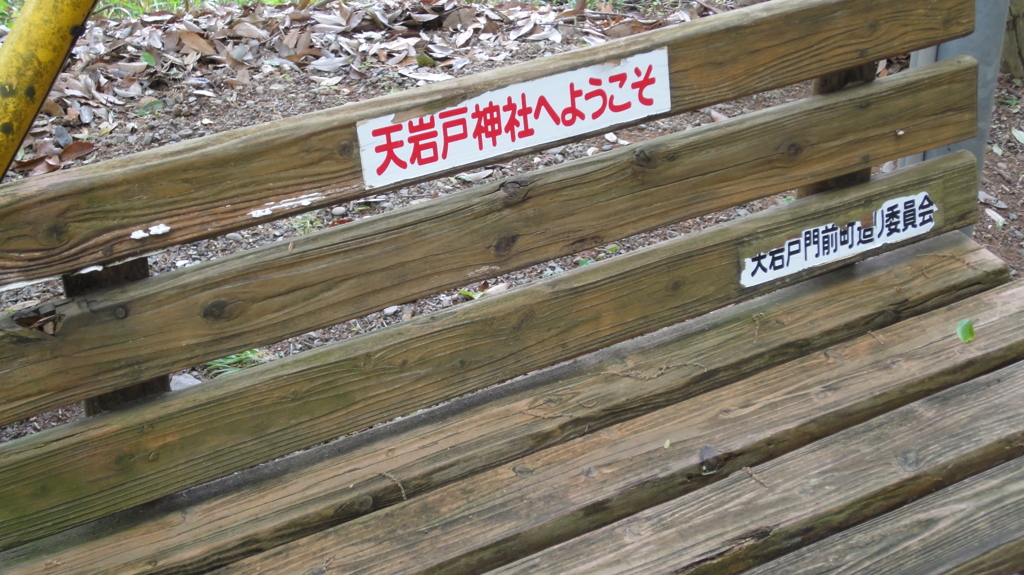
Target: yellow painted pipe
(30,59)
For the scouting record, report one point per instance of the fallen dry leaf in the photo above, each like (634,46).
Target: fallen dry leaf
(197,42)
(76,150)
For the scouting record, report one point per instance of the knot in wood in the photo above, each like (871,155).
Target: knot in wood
(345,149)
(503,245)
(515,189)
(522,470)
(643,159)
(221,309)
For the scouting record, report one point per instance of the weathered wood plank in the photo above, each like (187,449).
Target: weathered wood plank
(549,497)
(119,460)
(262,296)
(81,284)
(1008,558)
(835,82)
(973,527)
(589,396)
(849,477)
(208,186)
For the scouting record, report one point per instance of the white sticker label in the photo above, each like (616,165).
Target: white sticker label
(514,118)
(897,219)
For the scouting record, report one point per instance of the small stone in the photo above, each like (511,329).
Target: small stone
(392,310)
(62,136)
(742,212)
(183,381)
(607,147)
(185,134)
(1012,216)
(991,200)
(175,137)
(235,237)
(250,103)
(147,139)
(1020,236)
(339,211)
(559,158)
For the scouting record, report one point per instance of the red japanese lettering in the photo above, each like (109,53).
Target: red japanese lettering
(599,93)
(619,79)
(448,136)
(388,147)
(488,124)
(544,105)
(423,140)
(571,113)
(513,113)
(642,84)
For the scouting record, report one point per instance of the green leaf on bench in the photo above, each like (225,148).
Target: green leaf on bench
(965,330)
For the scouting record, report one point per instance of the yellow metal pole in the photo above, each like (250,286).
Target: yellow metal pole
(30,59)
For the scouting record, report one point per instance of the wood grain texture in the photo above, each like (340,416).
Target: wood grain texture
(801,497)
(568,402)
(827,84)
(1006,559)
(549,497)
(973,527)
(183,318)
(109,276)
(82,471)
(205,187)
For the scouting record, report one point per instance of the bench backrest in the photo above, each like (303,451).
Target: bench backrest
(104,340)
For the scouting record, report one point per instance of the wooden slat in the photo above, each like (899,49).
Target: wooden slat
(207,186)
(82,284)
(828,84)
(845,479)
(120,460)
(564,403)
(974,527)
(262,296)
(549,497)
(1008,558)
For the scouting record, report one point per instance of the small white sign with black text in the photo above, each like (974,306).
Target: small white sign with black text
(897,219)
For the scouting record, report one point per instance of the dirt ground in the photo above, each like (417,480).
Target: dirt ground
(209,96)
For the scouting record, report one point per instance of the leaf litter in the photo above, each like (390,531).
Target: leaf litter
(126,65)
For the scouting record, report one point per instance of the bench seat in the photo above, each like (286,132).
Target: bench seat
(729,407)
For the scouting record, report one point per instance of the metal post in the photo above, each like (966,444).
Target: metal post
(986,46)
(30,59)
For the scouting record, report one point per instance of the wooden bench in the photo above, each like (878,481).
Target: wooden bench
(782,393)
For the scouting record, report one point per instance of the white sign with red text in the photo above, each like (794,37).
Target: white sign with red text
(515,117)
